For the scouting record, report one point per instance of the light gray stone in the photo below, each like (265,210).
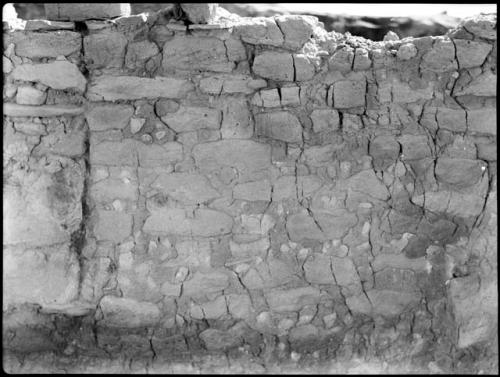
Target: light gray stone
(291,300)
(59,74)
(303,68)
(205,223)
(247,156)
(48,44)
(252,191)
(274,65)
(441,57)
(138,53)
(185,187)
(296,29)
(366,182)
(483,121)
(16,110)
(317,269)
(335,223)
(237,121)
(128,313)
(105,50)
(102,117)
(302,226)
(471,53)
(189,118)
(483,85)
(28,95)
(392,303)
(112,226)
(187,53)
(85,11)
(259,30)
(451,119)
(459,172)
(347,94)
(205,283)
(159,155)
(114,153)
(112,88)
(325,119)
(40,275)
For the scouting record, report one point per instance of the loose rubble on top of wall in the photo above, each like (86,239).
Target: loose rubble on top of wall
(254,189)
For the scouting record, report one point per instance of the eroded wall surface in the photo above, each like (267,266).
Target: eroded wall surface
(254,187)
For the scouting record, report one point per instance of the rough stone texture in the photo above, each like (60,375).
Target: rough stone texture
(81,12)
(274,65)
(60,74)
(51,44)
(112,88)
(279,125)
(250,187)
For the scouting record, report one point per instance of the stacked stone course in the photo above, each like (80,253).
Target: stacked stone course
(247,185)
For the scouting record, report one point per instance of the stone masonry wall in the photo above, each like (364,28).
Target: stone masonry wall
(255,185)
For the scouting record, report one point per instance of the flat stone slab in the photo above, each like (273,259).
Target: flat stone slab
(15,110)
(85,11)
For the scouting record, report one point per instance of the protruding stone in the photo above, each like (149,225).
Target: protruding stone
(274,65)
(108,116)
(85,11)
(16,110)
(59,74)
(50,44)
(347,94)
(112,88)
(28,95)
(200,13)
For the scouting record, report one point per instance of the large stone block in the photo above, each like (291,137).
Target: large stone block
(280,125)
(297,29)
(252,191)
(247,156)
(395,279)
(385,151)
(185,187)
(187,53)
(189,118)
(43,209)
(202,284)
(347,94)
(291,300)
(325,120)
(335,223)
(48,44)
(482,85)
(471,53)
(102,117)
(274,65)
(17,110)
(159,155)
(451,119)
(318,270)
(301,226)
(40,276)
(112,88)
(59,74)
(107,190)
(392,303)
(441,57)
(85,11)
(205,223)
(105,50)
(259,30)
(482,121)
(128,313)
(345,272)
(459,172)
